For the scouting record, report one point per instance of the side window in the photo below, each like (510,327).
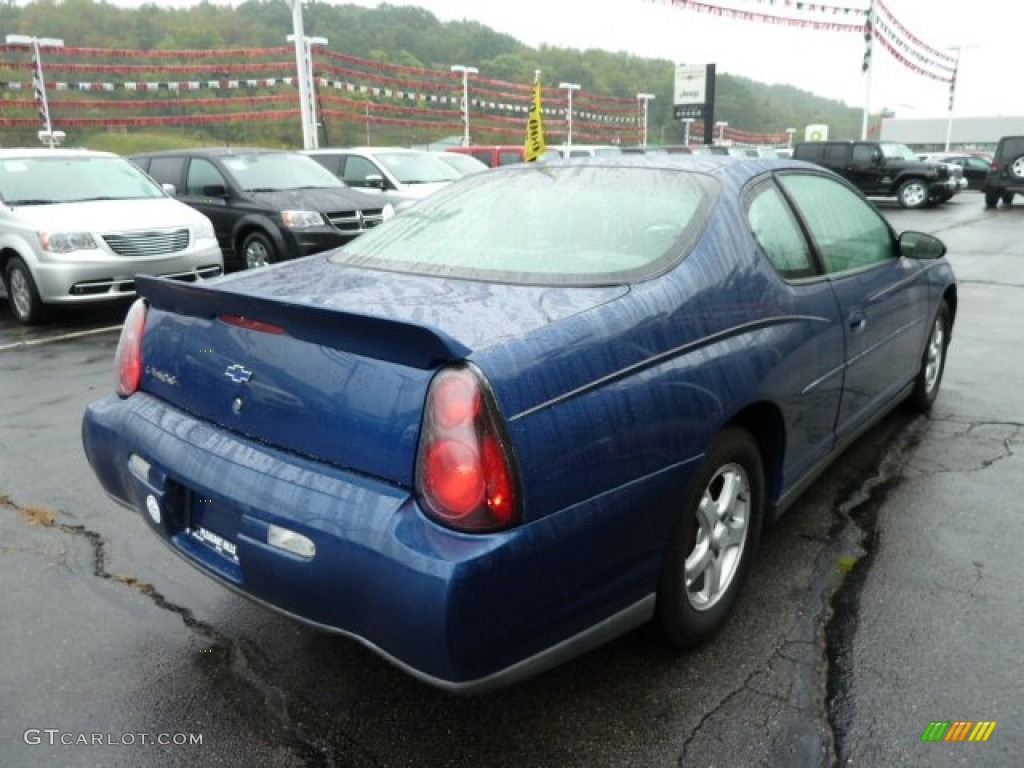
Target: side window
(331,162)
(849,233)
(778,234)
(166,170)
(837,155)
(357,170)
(509,156)
(202,173)
(863,154)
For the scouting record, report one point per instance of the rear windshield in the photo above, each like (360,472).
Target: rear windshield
(67,179)
(545,225)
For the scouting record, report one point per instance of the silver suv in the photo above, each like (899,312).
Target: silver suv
(78,226)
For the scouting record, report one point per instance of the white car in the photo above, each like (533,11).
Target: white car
(403,176)
(78,226)
(586,150)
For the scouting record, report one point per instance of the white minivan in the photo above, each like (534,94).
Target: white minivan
(78,226)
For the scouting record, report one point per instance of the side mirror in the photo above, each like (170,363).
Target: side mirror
(215,190)
(376,181)
(170,189)
(918,245)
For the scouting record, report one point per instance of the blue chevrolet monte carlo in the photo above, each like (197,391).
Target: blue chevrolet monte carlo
(544,406)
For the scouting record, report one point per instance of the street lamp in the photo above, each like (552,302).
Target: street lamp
(569,87)
(466,72)
(644,100)
(721,125)
(48,136)
(789,137)
(686,128)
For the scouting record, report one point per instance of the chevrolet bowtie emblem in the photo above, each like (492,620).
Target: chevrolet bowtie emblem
(238,373)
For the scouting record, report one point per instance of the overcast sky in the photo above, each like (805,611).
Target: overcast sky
(825,63)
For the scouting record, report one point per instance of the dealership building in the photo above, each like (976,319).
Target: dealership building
(969,133)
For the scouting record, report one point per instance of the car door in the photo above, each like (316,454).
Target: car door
(809,384)
(207,189)
(882,296)
(867,169)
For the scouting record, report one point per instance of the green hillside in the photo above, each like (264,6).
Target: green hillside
(409,37)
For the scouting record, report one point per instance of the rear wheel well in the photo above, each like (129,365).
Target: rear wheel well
(765,424)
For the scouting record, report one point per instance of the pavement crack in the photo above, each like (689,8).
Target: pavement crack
(851,558)
(314,750)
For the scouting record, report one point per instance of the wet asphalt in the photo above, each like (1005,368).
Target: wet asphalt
(885,600)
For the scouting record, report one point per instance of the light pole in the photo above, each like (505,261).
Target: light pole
(952,90)
(466,72)
(304,74)
(789,137)
(721,125)
(644,99)
(686,128)
(47,135)
(304,64)
(569,87)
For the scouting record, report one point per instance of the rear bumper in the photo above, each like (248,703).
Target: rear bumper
(465,613)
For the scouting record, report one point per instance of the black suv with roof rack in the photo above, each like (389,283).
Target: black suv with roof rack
(885,169)
(266,205)
(1006,177)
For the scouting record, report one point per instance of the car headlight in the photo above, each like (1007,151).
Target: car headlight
(301,219)
(66,242)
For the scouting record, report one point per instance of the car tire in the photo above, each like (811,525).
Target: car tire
(933,362)
(1007,198)
(913,193)
(713,541)
(257,251)
(991,198)
(22,294)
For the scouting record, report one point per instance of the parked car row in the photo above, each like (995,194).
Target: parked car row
(79,226)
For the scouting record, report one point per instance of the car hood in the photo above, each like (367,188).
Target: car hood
(476,314)
(317,199)
(109,215)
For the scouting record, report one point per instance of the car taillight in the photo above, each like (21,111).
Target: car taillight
(464,471)
(128,360)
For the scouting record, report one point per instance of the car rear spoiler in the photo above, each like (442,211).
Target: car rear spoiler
(380,338)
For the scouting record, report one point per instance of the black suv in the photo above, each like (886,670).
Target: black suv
(885,169)
(1006,177)
(266,205)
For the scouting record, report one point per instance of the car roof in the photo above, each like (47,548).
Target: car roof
(15,152)
(214,151)
(365,150)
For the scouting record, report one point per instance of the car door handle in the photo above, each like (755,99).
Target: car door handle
(858,321)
